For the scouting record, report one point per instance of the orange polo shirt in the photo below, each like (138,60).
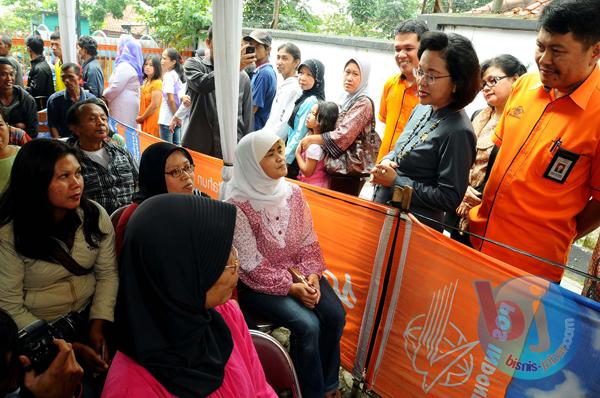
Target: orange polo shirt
(520,206)
(397,103)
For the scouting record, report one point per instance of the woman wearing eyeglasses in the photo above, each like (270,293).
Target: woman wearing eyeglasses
(164,168)
(498,75)
(178,332)
(437,147)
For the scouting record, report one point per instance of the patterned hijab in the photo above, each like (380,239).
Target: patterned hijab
(364,66)
(317,69)
(130,51)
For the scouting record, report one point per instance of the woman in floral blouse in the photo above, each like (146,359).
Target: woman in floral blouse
(356,116)
(274,233)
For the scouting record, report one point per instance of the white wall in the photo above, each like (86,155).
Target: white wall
(489,43)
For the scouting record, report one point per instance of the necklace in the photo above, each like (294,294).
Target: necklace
(418,130)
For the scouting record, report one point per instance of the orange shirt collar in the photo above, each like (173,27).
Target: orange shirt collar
(581,96)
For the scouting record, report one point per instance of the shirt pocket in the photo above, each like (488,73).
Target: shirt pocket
(577,173)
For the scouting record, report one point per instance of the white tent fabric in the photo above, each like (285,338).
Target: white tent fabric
(227,34)
(68,37)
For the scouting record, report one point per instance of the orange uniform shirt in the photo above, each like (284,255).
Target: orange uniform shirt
(397,103)
(546,171)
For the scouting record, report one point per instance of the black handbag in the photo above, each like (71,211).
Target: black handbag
(360,157)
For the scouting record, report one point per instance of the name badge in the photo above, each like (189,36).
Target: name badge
(561,165)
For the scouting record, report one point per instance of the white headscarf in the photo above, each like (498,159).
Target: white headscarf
(250,182)
(365,70)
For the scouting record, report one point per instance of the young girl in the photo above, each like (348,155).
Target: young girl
(172,80)
(321,119)
(7,152)
(151,96)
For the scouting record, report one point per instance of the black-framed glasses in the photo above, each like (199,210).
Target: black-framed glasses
(429,79)
(235,263)
(178,172)
(492,81)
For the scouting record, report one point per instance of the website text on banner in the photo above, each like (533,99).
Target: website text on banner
(461,324)
(350,232)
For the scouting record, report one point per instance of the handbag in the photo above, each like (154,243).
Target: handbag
(360,157)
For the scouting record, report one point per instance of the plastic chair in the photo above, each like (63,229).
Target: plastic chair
(116,215)
(277,364)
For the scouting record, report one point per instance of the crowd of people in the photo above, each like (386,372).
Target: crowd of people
(153,291)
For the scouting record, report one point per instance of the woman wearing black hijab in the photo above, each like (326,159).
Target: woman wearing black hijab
(311,74)
(178,332)
(164,168)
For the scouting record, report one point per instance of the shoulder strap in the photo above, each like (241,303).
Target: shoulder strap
(60,255)
(373,120)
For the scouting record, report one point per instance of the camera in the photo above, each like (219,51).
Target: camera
(250,50)
(36,339)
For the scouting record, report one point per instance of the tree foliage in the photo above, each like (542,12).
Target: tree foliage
(293,15)
(380,18)
(20,14)
(96,10)
(177,22)
(466,5)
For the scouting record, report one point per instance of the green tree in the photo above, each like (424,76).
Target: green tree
(20,14)
(374,18)
(466,5)
(293,15)
(177,22)
(96,10)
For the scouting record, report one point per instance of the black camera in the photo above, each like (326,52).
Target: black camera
(36,339)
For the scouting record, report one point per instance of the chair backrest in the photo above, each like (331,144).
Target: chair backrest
(276,362)
(116,215)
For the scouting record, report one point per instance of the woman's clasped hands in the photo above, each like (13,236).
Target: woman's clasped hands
(384,173)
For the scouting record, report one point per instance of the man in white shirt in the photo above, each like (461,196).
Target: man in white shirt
(288,59)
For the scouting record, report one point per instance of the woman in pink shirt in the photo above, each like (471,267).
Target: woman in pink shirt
(179,335)
(274,233)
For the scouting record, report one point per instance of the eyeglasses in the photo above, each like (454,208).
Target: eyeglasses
(178,172)
(235,262)
(429,79)
(492,81)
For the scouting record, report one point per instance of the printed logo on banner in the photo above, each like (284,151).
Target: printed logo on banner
(437,349)
(132,141)
(346,296)
(531,327)
(112,124)
(208,184)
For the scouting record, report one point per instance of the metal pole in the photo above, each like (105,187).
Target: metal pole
(68,37)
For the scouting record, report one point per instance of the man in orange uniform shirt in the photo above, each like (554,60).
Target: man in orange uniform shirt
(400,91)
(544,187)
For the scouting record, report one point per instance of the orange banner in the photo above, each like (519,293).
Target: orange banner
(429,342)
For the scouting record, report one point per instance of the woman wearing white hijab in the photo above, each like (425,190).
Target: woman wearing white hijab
(356,116)
(273,233)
